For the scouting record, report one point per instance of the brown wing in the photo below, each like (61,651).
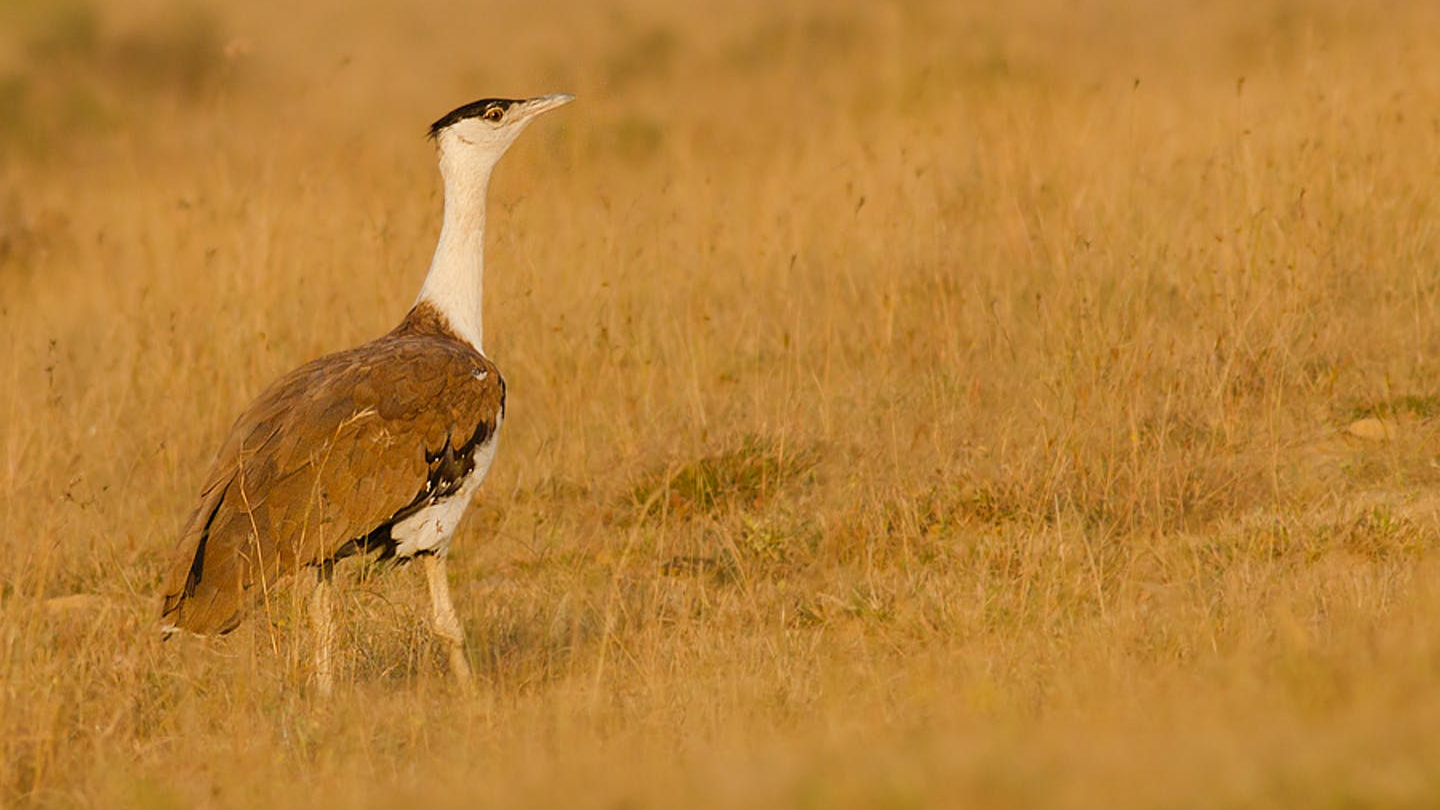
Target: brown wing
(331,453)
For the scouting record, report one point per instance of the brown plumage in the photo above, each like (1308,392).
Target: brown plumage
(379,448)
(327,460)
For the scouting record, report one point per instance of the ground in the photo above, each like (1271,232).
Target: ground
(911,404)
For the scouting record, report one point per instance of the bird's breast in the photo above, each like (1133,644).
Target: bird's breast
(430,528)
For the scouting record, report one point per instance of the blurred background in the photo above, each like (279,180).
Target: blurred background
(912,403)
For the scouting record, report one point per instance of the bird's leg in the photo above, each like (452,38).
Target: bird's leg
(324,620)
(447,624)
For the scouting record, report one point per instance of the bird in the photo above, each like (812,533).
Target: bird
(375,449)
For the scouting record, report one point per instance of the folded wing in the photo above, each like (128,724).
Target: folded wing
(326,460)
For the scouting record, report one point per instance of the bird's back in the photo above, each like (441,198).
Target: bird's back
(327,459)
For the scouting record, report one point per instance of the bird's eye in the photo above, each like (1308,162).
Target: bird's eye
(493,114)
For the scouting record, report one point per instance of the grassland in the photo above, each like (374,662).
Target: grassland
(911,404)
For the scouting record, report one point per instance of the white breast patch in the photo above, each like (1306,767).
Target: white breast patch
(430,528)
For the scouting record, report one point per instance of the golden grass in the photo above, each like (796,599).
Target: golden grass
(912,404)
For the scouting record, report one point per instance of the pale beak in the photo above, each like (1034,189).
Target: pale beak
(532,107)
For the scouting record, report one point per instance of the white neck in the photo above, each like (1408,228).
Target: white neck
(456,279)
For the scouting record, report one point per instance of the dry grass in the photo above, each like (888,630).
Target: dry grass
(912,404)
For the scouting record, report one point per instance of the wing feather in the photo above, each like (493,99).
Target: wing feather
(329,454)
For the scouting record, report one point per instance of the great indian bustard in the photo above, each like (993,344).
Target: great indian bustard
(378,448)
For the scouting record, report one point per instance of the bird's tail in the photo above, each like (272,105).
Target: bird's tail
(210,606)
(204,589)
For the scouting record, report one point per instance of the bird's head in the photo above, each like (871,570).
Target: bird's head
(473,137)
